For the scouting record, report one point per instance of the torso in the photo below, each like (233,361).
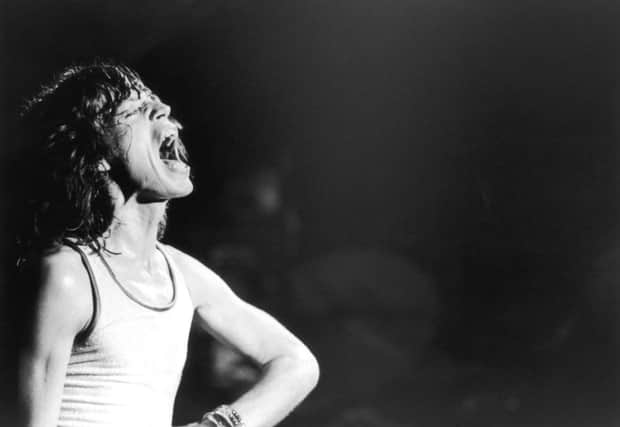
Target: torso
(127,371)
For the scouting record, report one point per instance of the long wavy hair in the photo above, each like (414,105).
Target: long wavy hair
(64,125)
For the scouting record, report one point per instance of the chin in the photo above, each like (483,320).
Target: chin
(189,190)
(165,194)
(179,192)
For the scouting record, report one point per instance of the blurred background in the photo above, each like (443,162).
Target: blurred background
(426,192)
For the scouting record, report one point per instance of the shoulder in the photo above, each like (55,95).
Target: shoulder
(63,270)
(182,259)
(191,267)
(62,287)
(203,283)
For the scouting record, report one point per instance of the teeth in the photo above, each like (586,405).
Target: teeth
(169,149)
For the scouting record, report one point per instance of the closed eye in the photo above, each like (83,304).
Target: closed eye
(161,114)
(140,109)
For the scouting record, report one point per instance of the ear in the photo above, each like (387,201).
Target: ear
(103,166)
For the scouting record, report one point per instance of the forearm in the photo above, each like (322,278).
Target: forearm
(289,370)
(285,382)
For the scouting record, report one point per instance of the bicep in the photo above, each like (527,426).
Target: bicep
(246,328)
(59,312)
(42,378)
(233,321)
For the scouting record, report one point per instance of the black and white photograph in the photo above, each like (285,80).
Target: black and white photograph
(230,213)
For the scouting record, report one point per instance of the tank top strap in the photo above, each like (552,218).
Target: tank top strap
(88,329)
(180,286)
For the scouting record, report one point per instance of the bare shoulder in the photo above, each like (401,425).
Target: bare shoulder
(63,269)
(203,283)
(63,287)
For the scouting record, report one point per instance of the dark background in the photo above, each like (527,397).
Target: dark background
(425,191)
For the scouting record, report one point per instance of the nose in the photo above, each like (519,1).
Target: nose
(160,110)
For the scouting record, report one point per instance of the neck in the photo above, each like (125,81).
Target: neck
(135,228)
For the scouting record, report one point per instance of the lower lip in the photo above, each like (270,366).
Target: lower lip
(176,166)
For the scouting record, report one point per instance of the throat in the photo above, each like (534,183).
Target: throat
(153,288)
(136,228)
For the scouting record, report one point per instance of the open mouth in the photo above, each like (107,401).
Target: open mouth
(172,153)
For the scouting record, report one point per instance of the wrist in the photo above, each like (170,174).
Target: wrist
(222,416)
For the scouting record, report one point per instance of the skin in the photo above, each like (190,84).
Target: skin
(64,305)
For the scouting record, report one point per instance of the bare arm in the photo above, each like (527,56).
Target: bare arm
(290,370)
(62,309)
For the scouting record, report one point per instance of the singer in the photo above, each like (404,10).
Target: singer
(107,337)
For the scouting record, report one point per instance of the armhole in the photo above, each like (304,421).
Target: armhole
(83,335)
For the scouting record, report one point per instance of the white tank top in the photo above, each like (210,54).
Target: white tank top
(126,371)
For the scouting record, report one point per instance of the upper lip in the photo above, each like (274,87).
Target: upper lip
(169,137)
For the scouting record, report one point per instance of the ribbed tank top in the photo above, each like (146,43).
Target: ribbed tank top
(126,371)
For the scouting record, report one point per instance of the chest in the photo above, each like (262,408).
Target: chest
(131,335)
(153,285)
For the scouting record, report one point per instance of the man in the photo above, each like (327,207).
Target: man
(110,321)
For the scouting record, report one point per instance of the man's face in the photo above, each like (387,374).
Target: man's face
(147,140)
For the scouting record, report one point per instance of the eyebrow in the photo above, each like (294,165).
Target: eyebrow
(133,107)
(144,97)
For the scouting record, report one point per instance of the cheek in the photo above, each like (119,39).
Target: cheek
(121,139)
(153,165)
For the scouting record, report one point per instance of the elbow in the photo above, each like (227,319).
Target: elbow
(299,366)
(308,369)
(315,371)
(296,366)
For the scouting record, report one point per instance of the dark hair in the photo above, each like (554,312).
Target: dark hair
(66,195)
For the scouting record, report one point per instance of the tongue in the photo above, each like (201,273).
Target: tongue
(175,165)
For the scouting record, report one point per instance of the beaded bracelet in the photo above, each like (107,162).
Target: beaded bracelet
(211,418)
(228,416)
